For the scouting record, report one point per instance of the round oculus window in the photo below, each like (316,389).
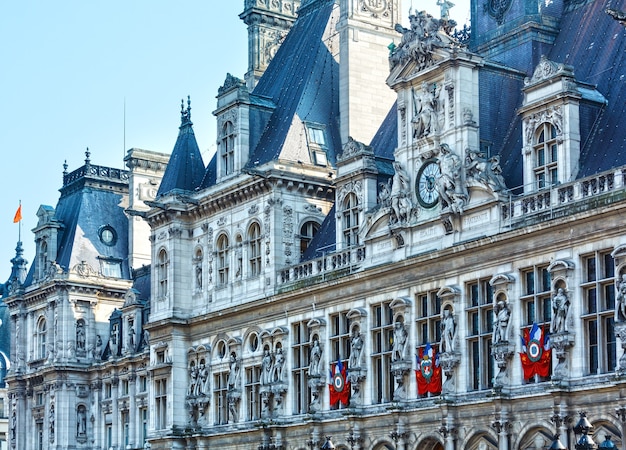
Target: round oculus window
(108,236)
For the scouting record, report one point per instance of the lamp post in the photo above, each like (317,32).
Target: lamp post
(608,443)
(583,428)
(557,444)
(352,439)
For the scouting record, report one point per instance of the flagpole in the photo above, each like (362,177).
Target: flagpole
(19,226)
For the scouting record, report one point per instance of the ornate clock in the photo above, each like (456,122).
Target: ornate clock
(426,183)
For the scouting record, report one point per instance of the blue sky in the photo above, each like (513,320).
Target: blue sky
(72,70)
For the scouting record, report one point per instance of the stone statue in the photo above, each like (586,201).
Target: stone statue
(448,328)
(620,300)
(113,341)
(502,315)
(279,364)
(199,276)
(81,421)
(233,373)
(356,346)
(202,387)
(193,380)
(451,184)
(131,338)
(400,336)
(315,358)
(266,368)
(424,119)
(400,194)
(484,171)
(560,308)
(444,8)
(80,335)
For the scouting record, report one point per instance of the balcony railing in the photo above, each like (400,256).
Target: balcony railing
(326,266)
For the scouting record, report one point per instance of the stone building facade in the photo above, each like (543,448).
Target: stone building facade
(443,267)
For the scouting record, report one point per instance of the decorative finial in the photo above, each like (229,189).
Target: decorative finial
(185,114)
(87,154)
(65,167)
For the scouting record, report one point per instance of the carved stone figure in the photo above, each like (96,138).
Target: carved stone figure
(448,328)
(620,301)
(266,368)
(502,315)
(444,8)
(279,364)
(484,171)
(199,277)
(560,308)
(113,341)
(400,336)
(425,118)
(315,358)
(356,346)
(400,194)
(81,421)
(233,373)
(451,184)
(193,380)
(419,42)
(80,335)
(202,385)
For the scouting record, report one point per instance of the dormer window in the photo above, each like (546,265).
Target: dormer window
(351,220)
(317,144)
(545,150)
(227,149)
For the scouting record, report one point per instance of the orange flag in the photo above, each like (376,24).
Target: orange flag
(18,214)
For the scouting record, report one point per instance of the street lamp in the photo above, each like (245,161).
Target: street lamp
(328,445)
(583,428)
(557,444)
(608,443)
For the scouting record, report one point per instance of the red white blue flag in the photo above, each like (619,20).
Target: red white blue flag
(428,372)
(339,385)
(536,355)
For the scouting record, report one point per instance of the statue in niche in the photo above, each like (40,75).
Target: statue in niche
(98,348)
(400,194)
(448,328)
(315,358)
(484,171)
(356,346)
(202,383)
(81,421)
(233,373)
(620,300)
(400,336)
(425,118)
(451,184)
(560,308)
(279,363)
(199,276)
(266,368)
(502,315)
(113,340)
(80,335)
(193,379)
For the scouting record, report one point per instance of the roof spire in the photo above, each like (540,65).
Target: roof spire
(185,114)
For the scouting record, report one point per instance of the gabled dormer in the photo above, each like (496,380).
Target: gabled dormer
(234,120)
(553,124)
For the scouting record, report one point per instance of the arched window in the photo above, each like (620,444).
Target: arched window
(307,231)
(545,156)
(162,273)
(227,148)
(40,339)
(222,260)
(254,239)
(351,220)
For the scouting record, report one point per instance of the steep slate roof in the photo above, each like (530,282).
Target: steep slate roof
(303,82)
(185,168)
(593,43)
(83,209)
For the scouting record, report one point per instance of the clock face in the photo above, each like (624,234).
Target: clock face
(426,184)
